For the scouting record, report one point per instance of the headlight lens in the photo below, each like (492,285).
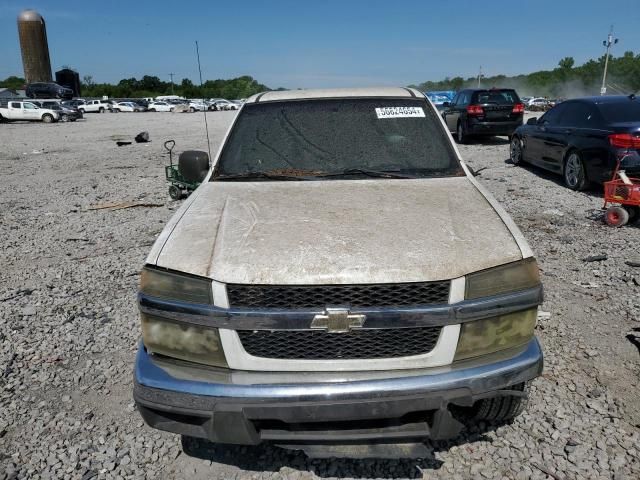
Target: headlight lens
(174,286)
(505,278)
(192,343)
(490,335)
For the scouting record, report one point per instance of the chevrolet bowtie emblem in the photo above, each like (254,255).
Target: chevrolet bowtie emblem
(337,320)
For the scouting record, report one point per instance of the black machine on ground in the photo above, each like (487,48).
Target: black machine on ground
(191,169)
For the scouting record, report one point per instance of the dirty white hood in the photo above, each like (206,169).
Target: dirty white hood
(335,232)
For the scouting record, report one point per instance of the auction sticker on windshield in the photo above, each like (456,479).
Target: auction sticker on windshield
(399,112)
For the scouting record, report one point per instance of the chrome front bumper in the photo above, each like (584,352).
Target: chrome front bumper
(248,408)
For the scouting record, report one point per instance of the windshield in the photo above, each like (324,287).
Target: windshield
(316,137)
(625,111)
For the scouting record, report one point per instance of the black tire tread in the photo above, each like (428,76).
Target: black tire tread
(501,408)
(585,184)
(464,138)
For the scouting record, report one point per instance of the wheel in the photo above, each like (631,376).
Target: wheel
(616,216)
(171,109)
(101,110)
(82,110)
(152,109)
(634,213)
(502,408)
(175,193)
(64,118)
(515,151)
(461,137)
(116,110)
(46,118)
(574,174)
(191,109)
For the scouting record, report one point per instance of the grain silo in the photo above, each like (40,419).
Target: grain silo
(34,46)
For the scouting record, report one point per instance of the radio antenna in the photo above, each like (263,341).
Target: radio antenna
(206,125)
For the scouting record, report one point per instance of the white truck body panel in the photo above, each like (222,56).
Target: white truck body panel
(26,111)
(94,106)
(337,232)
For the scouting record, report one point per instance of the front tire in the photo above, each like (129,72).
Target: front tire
(64,118)
(574,174)
(175,193)
(191,109)
(461,136)
(46,118)
(515,151)
(101,110)
(502,408)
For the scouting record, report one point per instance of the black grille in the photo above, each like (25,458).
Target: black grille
(356,344)
(354,296)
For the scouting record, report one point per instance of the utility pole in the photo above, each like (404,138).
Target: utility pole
(479,76)
(607,43)
(171,75)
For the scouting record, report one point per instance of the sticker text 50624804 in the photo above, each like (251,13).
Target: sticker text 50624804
(399,112)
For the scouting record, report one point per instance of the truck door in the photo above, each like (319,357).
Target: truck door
(539,140)
(30,111)
(452,113)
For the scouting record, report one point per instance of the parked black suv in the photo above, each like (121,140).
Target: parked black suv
(48,90)
(487,112)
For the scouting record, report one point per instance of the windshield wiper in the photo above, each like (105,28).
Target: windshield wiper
(254,175)
(368,173)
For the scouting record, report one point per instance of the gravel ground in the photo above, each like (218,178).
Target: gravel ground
(69,331)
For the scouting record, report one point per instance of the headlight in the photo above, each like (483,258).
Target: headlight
(505,278)
(174,286)
(183,341)
(490,335)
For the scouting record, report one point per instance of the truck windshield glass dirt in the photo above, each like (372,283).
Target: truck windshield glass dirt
(328,139)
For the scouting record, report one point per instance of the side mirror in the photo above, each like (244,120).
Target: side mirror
(446,104)
(193,165)
(532,121)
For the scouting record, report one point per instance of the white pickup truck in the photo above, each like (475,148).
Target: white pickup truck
(13,111)
(338,278)
(98,106)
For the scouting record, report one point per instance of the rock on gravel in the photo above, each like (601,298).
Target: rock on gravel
(69,329)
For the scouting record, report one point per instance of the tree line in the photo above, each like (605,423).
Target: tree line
(566,80)
(152,86)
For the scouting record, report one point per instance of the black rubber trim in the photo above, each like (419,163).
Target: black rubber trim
(410,92)
(282,319)
(314,99)
(260,96)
